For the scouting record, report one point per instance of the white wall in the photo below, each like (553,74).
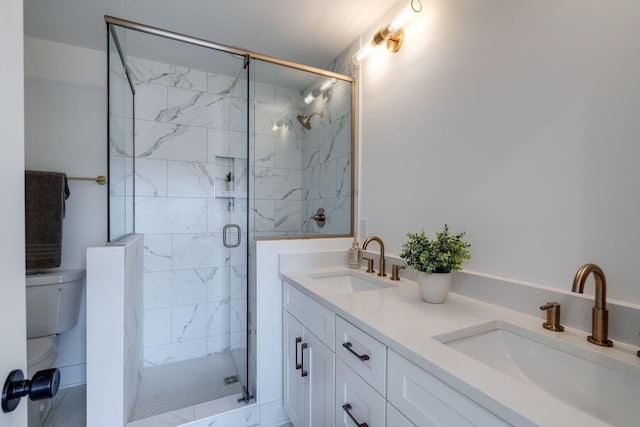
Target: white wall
(516,121)
(12,262)
(65,131)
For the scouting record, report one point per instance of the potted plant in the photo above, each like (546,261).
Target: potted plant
(435,259)
(229,179)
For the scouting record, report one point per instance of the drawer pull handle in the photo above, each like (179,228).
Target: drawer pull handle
(348,346)
(302,347)
(298,366)
(348,408)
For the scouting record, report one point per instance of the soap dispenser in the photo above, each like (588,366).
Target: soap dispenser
(355,255)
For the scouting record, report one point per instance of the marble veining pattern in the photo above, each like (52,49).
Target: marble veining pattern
(200,320)
(151,178)
(174,288)
(170,141)
(228,86)
(190,179)
(151,101)
(278,184)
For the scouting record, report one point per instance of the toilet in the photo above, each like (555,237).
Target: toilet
(53,304)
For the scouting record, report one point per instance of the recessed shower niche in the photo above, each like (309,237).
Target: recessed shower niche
(211,148)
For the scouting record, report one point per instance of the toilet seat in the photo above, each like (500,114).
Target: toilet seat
(41,353)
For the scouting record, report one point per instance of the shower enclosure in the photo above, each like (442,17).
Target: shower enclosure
(211,148)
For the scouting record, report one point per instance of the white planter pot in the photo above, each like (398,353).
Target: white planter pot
(229,185)
(434,288)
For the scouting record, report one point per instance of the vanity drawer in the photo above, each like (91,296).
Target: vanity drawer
(427,401)
(314,316)
(365,355)
(365,404)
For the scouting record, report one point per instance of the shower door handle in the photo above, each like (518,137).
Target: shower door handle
(224,236)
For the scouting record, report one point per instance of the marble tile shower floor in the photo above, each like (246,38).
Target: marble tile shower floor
(179,385)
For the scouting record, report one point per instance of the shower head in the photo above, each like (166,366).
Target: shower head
(304,120)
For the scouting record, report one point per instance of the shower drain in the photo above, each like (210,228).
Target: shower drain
(231,380)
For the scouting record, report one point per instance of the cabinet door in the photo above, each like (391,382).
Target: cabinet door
(319,384)
(365,405)
(293,390)
(395,418)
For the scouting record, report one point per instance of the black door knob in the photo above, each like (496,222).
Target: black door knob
(43,385)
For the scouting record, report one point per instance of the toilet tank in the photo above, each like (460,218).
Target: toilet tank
(53,301)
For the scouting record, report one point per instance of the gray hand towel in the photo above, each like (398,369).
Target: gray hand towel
(45,193)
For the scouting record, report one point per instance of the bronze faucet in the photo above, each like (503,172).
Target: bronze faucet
(600,320)
(381,262)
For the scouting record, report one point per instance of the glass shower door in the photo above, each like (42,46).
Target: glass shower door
(191,186)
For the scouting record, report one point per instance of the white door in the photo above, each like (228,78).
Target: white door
(13,354)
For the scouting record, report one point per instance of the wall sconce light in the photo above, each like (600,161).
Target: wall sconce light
(323,90)
(392,34)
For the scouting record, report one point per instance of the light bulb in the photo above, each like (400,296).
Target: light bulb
(308,99)
(401,19)
(327,84)
(363,53)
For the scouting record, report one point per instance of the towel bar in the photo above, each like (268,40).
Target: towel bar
(102,180)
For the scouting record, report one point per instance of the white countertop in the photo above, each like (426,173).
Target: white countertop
(399,318)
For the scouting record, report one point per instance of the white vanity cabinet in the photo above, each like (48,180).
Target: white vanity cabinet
(308,370)
(335,374)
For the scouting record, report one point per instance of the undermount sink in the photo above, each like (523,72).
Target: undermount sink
(604,387)
(344,282)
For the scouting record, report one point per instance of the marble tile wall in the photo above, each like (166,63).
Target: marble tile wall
(277,171)
(190,132)
(327,162)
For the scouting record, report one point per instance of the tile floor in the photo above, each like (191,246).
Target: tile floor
(166,388)
(69,408)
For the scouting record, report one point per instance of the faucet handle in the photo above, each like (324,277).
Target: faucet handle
(369,264)
(553,317)
(395,271)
